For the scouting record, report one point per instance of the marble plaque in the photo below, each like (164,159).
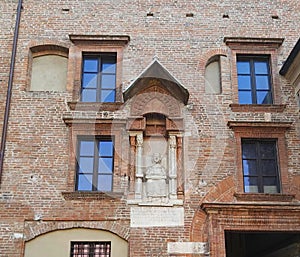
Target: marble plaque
(156,216)
(187,248)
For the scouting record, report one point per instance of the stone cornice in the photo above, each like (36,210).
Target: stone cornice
(100,39)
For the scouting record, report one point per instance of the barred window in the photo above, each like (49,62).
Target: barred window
(90,249)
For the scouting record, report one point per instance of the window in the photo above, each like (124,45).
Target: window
(260,168)
(90,249)
(95,163)
(254,82)
(99,78)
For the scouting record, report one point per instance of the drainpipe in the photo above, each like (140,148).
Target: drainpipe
(9,88)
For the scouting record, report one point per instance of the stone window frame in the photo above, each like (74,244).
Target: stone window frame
(43,50)
(261,130)
(257,47)
(94,44)
(99,129)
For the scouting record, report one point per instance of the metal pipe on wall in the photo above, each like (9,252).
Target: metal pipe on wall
(9,88)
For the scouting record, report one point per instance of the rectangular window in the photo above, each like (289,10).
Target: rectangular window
(254,80)
(260,167)
(99,78)
(95,164)
(90,249)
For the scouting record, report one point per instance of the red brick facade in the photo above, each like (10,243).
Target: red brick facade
(161,63)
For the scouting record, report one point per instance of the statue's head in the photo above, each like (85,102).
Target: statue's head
(156,158)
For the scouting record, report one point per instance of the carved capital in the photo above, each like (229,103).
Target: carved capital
(139,139)
(172,140)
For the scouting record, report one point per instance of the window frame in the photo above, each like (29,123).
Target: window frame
(258,159)
(91,44)
(262,130)
(99,75)
(259,47)
(106,244)
(96,140)
(252,59)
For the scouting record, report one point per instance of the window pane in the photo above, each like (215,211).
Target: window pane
(245,97)
(244,82)
(88,95)
(90,65)
(262,82)
(105,165)
(261,67)
(249,167)
(249,150)
(270,185)
(86,148)
(268,167)
(267,150)
(108,81)
(250,185)
(105,148)
(109,66)
(108,96)
(85,182)
(86,164)
(89,80)
(263,97)
(105,182)
(243,67)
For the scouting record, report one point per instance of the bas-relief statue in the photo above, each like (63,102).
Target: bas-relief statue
(156,178)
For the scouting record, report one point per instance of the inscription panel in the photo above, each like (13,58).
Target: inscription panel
(156,216)
(187,248)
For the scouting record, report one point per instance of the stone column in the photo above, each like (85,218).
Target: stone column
(132,140)
(172,167)
(180,175)
(139,166)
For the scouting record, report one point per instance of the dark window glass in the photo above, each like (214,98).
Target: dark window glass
(99,78)
(254,80)
(95,164)
(90,249)
(260,167)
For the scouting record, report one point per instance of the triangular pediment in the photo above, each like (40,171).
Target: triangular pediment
(157,72)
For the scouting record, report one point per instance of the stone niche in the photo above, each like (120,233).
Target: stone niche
(155,130)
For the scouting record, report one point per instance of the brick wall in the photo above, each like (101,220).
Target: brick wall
(39,167)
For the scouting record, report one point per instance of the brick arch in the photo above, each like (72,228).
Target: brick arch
(44,46)
(155,99)
(209,55)
(222,192)
(33,230)
(45,49)
(199,229)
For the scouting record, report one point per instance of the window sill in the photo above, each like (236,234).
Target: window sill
(257,107)
(94,106)
(86,195)
(249,197)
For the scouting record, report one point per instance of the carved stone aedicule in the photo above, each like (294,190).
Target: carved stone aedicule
(156,100)
(137,123)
